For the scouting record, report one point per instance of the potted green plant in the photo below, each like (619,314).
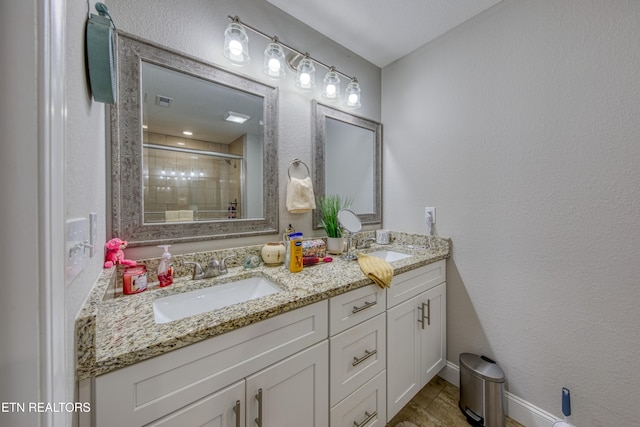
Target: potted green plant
(328,206)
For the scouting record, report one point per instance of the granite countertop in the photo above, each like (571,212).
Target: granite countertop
(113,332)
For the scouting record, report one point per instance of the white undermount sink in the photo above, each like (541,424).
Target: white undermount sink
(388,255)
(186,304)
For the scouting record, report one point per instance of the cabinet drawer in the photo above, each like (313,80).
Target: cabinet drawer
(411,283)
(146,391)
(356,356)
(355,307)
(365,407)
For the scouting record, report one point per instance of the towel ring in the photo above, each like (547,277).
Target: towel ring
(297,162)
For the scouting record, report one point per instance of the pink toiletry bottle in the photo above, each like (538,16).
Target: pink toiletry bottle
(165,269)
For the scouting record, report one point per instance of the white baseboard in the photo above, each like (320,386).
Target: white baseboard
(450,373)
(516,408)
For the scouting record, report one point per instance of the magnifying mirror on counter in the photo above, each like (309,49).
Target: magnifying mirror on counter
(351,223)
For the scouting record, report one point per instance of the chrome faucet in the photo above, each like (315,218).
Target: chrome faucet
(222,269)
(366,243)
(214,268)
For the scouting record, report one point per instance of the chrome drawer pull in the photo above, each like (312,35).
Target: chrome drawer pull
(236,410)
(366,420)
(422,316)
(259,399)
(367,354)
(428,312)
(364,307)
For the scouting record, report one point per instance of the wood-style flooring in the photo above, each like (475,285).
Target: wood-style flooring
(436,405)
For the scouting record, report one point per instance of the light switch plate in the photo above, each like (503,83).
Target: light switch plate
(77,233)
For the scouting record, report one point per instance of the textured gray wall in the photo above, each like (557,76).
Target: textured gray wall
(521,127)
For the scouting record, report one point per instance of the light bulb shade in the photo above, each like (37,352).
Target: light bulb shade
(236,44)
(352,95)
(274,61)
(306,78)
(331,86)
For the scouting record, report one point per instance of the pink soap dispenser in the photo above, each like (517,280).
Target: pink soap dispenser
(165,269)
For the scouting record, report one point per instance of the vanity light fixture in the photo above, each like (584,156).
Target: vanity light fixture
(230,116)
(331,85)
(274,60)
(306,77)
(236,44)
(352,94)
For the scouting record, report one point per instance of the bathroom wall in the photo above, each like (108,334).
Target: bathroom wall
(521,127)
(85,163)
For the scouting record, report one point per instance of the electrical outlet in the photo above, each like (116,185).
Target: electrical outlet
(432,212)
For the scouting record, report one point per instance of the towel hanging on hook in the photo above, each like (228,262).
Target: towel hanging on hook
(101,55)
(300,196)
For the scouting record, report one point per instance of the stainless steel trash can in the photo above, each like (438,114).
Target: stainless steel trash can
(481,391)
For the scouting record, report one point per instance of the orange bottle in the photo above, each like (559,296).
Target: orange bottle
(295,253)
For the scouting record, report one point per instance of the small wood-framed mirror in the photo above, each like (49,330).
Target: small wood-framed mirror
(347,161)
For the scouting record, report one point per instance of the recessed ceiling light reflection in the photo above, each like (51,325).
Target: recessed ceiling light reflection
(230,116)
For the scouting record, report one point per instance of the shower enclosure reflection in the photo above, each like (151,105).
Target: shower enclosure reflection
(192,184)
(195,160)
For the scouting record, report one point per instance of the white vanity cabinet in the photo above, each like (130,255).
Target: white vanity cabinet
(215,381)
(351,361)
(416,333)
(357,358)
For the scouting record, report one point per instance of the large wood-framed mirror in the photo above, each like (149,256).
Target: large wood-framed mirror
(347,161)
(183,166)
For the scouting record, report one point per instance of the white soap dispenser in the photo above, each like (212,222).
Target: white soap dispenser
(165,269)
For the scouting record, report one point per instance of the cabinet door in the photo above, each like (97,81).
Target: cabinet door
(291,393)
(416,345)
(224,408)
(403,355)
(433,338)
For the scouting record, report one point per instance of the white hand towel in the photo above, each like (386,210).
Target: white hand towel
(300,197)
